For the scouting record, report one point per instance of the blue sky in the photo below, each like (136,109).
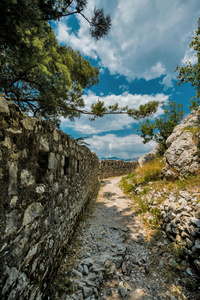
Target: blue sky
(136,60)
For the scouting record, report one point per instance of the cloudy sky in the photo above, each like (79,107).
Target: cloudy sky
(136,60)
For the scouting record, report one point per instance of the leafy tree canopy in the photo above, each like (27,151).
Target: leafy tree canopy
(42,76)
(191,73)
(18,15)
(159,129)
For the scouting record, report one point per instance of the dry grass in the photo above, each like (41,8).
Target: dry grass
(151,172)
(148,172)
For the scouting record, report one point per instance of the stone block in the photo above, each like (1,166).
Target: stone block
(4,106)
(44,144)
(28,123)
(12,188)
(27,178)
(52,161)
(32,212)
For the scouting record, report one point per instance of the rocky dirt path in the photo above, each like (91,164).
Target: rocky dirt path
(112,257)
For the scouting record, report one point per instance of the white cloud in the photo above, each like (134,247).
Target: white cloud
(167,81)
(122,147)
(147,38)
(105,124)
(65,36)
(111,122)
(132,100)
(124,87)
(155,71)
(190,56)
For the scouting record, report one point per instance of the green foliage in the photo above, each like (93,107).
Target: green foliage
(51,83)
(142,205)
(144,111)
(162,127)
(100,24)
(126,185)
(20,15)
(81,141)
(191,73)
(99,110)
(141,176)
(156,212)
(40,75)
(144,191)
(179,250)
(194,130)
(36,72)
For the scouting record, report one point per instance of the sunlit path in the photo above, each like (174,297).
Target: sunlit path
(112,256)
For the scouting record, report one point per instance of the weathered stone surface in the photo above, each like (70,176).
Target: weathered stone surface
(184,228)
(13,202)
(136,273)
(52,161)
(197,243)
(197,264)
(46,179)
(87,292)
(27,178)
(12,188)
(122,290)
(12,131)
(4,106)
(40,189)
(32,212)
(12,222)
(28,123)
(31,254)
(44,144)
(182,156)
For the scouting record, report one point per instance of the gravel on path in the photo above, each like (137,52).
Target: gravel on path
(112,257)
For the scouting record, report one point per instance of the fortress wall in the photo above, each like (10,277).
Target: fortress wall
(111,167)
(46,179)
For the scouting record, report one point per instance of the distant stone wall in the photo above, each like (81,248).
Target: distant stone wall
(46,178)
(111,167)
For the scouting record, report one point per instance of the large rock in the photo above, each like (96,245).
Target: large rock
(182,155)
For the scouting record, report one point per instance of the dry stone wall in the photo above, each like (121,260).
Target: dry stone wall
(111,167)
(181,221)
(180,217)
(46,178)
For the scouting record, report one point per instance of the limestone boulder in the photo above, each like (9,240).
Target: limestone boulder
(182,155)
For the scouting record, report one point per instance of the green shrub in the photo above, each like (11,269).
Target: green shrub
(126,185)
(156,212)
